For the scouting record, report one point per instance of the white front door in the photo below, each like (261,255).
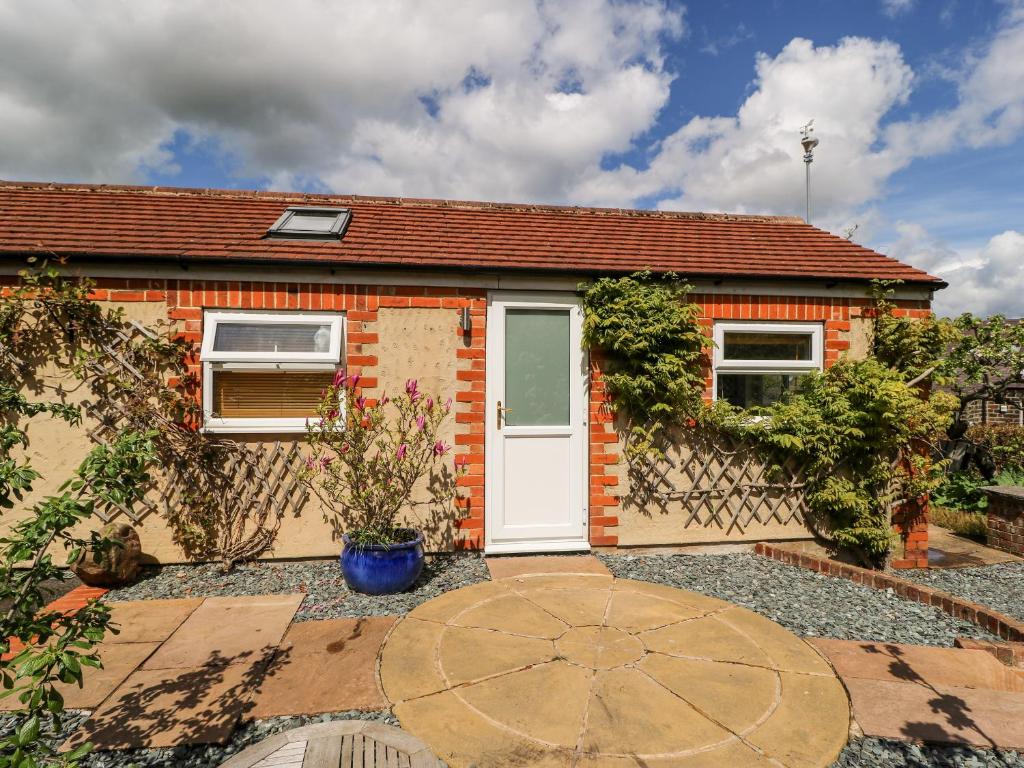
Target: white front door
(536,495)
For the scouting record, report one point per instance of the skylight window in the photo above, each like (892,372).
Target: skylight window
(315,223)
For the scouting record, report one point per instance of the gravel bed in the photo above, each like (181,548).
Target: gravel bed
(883,753)
(327,597)
(807,603)
(997,586)
(212,755)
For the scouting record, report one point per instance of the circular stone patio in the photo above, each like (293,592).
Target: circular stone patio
(587,670)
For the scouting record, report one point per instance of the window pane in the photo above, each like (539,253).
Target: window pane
(748,390)
(536,367)
(268,394)
(311,222)
(272,337)
(752,345)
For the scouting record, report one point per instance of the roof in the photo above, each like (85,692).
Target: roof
(136,223)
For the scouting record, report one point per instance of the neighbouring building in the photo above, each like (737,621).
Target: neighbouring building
(479,302)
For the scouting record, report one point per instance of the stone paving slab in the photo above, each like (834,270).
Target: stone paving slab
(227,630)
(976,716)
(937,667)
(168,707)
(119,661)
(148,621)
(504,566)
(473,674)
(324,666)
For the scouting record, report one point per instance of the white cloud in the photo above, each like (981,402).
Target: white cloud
(985,281)
(525,95)
(751,162)
(893,8)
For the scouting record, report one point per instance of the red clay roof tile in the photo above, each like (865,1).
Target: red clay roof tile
(210,225)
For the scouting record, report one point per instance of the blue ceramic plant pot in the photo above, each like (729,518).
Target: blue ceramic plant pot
(376,569)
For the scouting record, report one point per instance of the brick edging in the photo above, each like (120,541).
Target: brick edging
(991,620)
(68,603)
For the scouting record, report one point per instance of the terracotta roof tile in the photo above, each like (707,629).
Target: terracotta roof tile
(211,225)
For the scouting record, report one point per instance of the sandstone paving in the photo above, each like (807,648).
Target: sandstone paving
(228,630)
(148,621)
(324,666)
(582,670)
(119,661)
(927,665)
(502,567)
(943,695)
(976,716)
(167,707)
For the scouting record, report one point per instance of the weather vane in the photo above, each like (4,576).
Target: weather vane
(809,143)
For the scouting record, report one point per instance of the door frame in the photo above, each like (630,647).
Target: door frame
(494,470)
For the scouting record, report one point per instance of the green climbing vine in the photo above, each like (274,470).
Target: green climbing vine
(862,429)
(655,346)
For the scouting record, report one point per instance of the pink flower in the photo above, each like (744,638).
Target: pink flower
(441,448)
(360,402)
(421,421)
(309,462)
(344,447)
(410,386)
(384,399)
(352,382)
(325,462)
(339,378)
(447,405)
(332,414)
(430,403)
(402,450)
(460,462)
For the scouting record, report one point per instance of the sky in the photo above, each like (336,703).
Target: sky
(918,106)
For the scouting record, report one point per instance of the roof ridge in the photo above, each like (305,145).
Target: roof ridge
(421,202)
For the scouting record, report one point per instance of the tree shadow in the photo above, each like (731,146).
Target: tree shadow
(954,710)
(170,707)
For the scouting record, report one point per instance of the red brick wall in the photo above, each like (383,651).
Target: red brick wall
(186,300)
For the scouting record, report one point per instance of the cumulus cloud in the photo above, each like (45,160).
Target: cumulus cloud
(751,162)
(441,97)
(985,281)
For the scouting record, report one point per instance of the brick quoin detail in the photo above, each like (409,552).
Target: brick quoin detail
(603,491)
(470,413)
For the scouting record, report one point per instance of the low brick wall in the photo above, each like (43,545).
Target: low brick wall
(987,618)
(1006,518)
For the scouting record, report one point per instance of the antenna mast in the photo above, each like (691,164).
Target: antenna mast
(809,143)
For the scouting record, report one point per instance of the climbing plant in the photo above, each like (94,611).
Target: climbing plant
(655,346)
(861,429)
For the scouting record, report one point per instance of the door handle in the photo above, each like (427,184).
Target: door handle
(501,413)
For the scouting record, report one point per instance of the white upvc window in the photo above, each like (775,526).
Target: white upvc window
(757,363)
(265,371)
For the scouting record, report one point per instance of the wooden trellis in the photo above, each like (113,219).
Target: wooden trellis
(714,480)
(256,485)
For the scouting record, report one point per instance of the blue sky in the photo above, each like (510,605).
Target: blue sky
(919,106)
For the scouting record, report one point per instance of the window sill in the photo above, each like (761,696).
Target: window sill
(254,426)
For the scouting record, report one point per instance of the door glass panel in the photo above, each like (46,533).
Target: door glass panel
(536,367)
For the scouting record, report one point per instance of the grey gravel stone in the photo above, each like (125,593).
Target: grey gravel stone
(327,597)
(883,753)
(805,602)
(997,586)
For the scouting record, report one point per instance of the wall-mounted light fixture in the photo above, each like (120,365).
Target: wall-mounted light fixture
(466,321)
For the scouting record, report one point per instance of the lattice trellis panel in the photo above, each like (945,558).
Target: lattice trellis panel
(256,484)
(713,480)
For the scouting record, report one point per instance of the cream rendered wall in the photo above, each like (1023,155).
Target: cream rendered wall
(414,342)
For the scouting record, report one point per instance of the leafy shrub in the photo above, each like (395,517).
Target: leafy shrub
(962,491)
(1005,442)
(367,457)
(655,344)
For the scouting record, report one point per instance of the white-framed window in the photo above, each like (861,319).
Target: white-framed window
(265,371)
(757,363)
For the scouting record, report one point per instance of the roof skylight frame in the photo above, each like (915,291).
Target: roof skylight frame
(280,228)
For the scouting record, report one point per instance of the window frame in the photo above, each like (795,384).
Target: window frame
(213,361)
(721,365)
(342,218)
